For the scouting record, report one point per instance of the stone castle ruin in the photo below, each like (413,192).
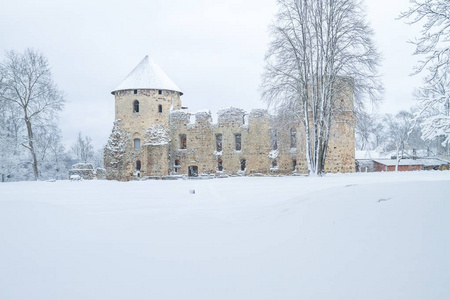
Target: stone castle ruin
(156,137)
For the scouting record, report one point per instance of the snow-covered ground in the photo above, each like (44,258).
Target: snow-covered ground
(357,236)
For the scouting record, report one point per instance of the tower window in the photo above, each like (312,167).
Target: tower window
(218,142)
(138,165)
(294,164)
(220,165)
(237,141)
(160,108)
(160,92)
(183,142)
(135,92)
(136,106)
(137,144)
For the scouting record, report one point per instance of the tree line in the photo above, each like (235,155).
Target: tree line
(31,145)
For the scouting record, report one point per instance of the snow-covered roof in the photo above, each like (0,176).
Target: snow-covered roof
(412,162)
(147,75)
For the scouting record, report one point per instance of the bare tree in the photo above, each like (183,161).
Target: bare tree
(83,149)
(365,131)
(399,130)
(434,42)
(321,52)
(433,46)
(27,84)
(433,114)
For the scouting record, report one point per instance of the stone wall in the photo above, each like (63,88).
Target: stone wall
(267,145)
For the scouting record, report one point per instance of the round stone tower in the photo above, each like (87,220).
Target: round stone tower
(144,99)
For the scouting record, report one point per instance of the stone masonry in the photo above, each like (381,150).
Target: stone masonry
(238,144)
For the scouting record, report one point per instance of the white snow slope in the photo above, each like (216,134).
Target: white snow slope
(360,236)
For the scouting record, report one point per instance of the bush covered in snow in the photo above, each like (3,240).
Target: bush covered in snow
(157,135)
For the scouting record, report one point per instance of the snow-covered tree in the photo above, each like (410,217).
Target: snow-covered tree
(433,46)
(320,52)
(399,129)
(157,135)
(366,131)
(115,151)
(434,108)
(27,86)
(83,149)
(99,158)
(434,42)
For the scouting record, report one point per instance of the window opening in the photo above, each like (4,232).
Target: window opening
(137,144)
(176,166)
(138,165)
(193,171)
(237,141)
(135,92)
(136,106)
(220,165)
(159,92)
(273,140)
(274,163)
(160,108)
(243,164)
(294,164)
(293,138)
(183,142)
(219,142)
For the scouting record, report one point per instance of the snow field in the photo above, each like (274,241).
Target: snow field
(354,236)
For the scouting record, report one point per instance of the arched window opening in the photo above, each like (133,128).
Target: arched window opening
(160,108)
(137,144)
(136,106)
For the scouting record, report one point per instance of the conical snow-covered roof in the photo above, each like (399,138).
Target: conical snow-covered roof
(147,75)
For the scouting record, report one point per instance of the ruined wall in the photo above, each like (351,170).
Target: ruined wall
(266,145)
(156,161)
(341,147)
(258,142)
(197,149)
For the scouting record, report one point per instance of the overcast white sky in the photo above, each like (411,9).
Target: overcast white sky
(213,50)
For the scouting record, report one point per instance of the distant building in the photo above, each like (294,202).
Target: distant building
(164,138)
(388,165)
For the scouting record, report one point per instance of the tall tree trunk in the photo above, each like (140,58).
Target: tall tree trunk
(31,146)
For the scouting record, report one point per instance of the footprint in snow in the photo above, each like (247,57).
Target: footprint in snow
(382,199)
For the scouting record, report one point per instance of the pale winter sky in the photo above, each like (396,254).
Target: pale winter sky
(213,50)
